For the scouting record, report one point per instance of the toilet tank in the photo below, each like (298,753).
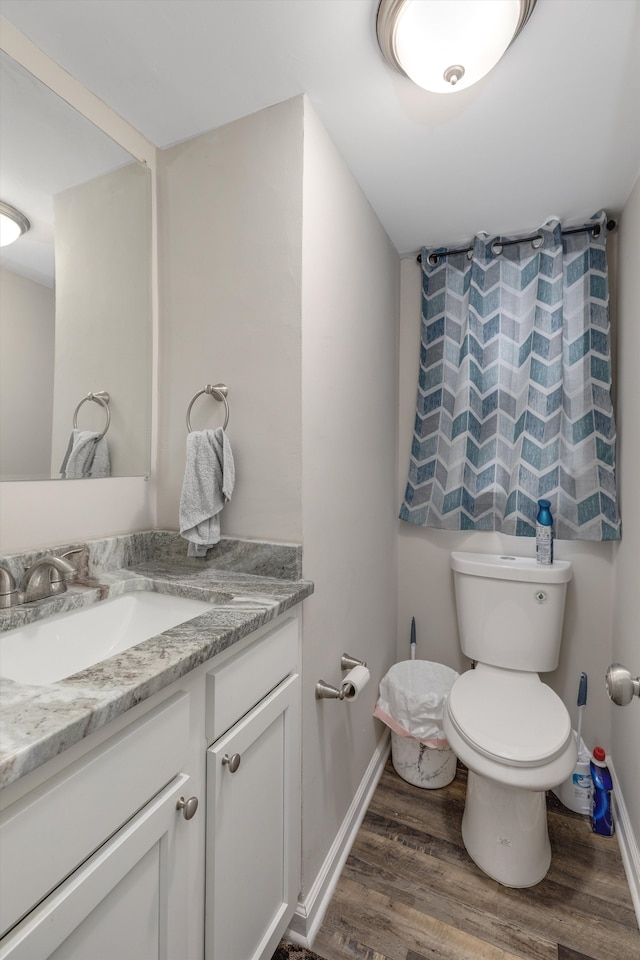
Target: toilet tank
(510,609)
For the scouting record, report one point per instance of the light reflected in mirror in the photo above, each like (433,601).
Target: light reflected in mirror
(75,290)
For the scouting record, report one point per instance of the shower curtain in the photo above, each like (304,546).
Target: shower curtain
(514,389)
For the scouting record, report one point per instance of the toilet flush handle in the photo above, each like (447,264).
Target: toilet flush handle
(621,686)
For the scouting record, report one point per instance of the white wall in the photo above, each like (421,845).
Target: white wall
(625,721)
(425,584)
(230,213)
(349,400)
(282,284)
(43,513)
(27,328)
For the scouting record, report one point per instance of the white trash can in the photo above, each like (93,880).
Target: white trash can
(412,699)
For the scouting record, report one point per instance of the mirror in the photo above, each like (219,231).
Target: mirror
(75,289)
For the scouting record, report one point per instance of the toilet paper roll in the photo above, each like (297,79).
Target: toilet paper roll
(354,682)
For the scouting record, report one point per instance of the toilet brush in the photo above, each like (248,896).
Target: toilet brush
(412,645)
(575,791)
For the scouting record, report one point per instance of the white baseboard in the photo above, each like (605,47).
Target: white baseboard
(309,914)
(627,841)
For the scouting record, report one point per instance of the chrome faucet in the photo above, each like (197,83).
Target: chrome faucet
(47,577)
(10,596)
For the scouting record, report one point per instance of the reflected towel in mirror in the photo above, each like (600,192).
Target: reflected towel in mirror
(87,456)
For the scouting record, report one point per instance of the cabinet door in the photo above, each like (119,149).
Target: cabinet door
(253,829)
(125,901)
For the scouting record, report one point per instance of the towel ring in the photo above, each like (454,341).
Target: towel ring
(101,397)
(217,390)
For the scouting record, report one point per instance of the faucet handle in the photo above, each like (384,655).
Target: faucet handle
(69,553)
(59,580)
(81,563)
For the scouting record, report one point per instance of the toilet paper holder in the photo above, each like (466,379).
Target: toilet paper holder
(348,662)
(326,691)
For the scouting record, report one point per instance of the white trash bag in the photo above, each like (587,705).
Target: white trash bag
(412,699)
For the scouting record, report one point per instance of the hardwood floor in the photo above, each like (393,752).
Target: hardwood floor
(409,890)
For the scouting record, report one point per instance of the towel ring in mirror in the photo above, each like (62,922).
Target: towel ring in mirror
(101,397)
(217,390)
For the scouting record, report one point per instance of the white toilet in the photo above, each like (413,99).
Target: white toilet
(510,729)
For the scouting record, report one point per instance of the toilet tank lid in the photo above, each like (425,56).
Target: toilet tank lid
(507,567)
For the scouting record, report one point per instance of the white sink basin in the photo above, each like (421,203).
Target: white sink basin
(52,649)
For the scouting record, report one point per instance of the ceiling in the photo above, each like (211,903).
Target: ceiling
(554,129)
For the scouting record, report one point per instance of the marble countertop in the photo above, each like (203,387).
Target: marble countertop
(40,722)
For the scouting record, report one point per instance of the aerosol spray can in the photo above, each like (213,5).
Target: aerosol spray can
(544,533)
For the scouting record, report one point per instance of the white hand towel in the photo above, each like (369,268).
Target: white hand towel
(209,477)
(87,456)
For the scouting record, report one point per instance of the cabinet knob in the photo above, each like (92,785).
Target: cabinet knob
(233,761)
(188,807)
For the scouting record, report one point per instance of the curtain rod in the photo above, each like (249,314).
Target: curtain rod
(588,228)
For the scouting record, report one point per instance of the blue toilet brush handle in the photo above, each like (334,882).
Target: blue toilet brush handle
(582,699)
(582,690)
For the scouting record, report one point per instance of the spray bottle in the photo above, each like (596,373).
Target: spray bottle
(601,811)
(544,533)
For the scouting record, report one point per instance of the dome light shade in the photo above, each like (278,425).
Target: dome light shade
(12,224)
(448,45)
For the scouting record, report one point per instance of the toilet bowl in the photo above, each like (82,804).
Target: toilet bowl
(508,727)
(513,733)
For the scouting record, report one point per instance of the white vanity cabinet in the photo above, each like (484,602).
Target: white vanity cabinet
(98,858)
(100,848)
(253,799)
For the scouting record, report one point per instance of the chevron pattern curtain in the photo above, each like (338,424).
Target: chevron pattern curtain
(514,389)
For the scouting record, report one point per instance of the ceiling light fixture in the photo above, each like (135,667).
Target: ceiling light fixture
(448,45)
(12,224)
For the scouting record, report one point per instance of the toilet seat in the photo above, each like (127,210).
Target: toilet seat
(511,717)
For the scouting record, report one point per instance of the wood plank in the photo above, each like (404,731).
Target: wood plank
(418,838)
(346,947)
(454,894)
(392,864)
(569,918)
(585,861)
(564,953)
(410,804)
(399,929)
